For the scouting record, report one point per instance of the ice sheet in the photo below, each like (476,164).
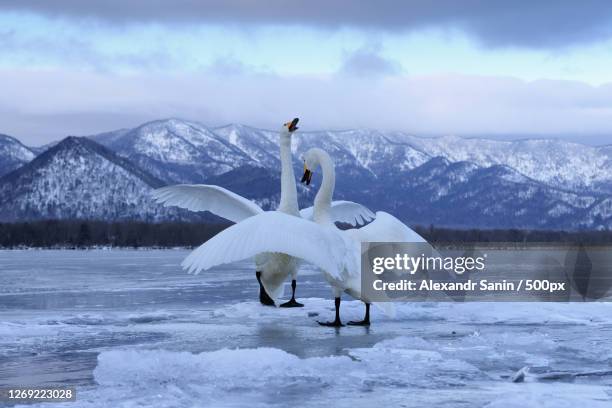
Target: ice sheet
(129,328)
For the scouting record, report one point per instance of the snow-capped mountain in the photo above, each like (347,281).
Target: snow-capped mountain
(447,181)
(200,152)
(475,182)
(261,146)
(556,162)
(175,150)
(372,151)
(77,178)
(13,154)
(463,194)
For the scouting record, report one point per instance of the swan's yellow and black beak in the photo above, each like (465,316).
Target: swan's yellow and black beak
(292,126)
(307,177)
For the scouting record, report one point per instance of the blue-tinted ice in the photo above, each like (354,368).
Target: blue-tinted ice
(130,328)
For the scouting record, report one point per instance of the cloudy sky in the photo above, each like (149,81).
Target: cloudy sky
(508,69)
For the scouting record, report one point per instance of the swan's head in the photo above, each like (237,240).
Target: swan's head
(307,177)
(290,126)
(311,162)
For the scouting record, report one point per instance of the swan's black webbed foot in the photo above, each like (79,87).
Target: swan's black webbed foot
(366,319)
(264,298)
(335,323)
(359,323)
(291,303)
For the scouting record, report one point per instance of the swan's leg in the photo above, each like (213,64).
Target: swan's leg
(366,319)
(336,322)
(264,298)
(292,302)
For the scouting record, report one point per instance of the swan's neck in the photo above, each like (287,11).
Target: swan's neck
(323,199)
(288,201)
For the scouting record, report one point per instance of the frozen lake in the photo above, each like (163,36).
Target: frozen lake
(130,328)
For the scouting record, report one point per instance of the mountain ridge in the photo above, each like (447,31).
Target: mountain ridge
(13,154)
(556,184)
(78,178)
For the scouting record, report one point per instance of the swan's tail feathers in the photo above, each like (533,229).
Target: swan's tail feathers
(274,269)
(388,308)
(275,291)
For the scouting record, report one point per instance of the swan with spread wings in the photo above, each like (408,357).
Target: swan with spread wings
(272,267)
(336,252)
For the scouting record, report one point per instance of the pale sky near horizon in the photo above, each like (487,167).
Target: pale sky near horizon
(486,68)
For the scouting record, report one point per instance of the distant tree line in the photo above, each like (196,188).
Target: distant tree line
(81,234)
(436,234)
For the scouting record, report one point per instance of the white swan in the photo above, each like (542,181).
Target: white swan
(271,268)
(337,253)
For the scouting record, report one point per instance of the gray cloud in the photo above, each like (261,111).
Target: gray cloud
(39,106)
(522,23)
(230,66)
(367,61)
(78,51)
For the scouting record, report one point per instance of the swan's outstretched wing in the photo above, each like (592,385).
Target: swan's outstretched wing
(346,212)
(385,228)
(203,197)
(274,231)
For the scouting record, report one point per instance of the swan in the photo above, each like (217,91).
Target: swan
(337,253)
(272,268)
